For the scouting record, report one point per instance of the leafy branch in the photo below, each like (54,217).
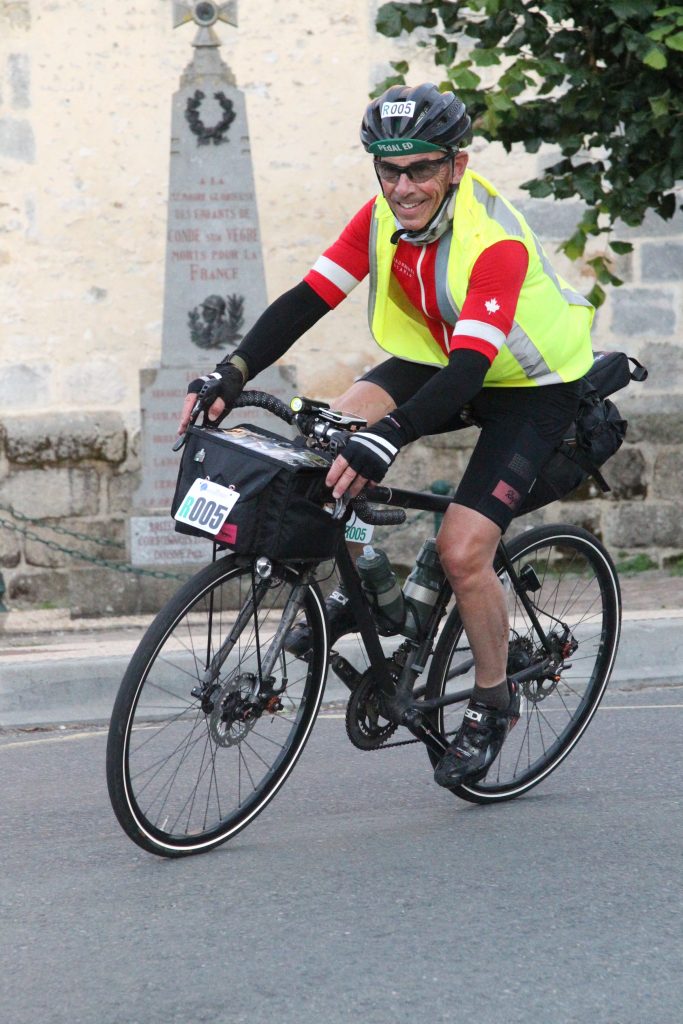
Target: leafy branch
(601,81)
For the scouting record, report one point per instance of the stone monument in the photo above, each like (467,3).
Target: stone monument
(214,280)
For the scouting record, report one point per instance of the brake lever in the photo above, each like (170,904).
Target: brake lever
(341,504)
(200,406)
(196,409)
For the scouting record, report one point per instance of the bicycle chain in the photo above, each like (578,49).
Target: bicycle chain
(354,725)
(405,743)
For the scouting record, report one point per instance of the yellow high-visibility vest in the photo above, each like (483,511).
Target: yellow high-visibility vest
(550,338)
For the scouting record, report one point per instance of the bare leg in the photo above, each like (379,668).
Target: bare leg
(467,544)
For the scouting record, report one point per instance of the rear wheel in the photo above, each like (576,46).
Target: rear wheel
(573,587)
(194,751)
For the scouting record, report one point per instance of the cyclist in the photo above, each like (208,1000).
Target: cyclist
(478,327)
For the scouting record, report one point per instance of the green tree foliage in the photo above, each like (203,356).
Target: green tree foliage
(601,81)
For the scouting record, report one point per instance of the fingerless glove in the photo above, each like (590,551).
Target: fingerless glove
(226,382)
(371,452)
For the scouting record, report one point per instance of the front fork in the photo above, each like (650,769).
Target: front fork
(261,572)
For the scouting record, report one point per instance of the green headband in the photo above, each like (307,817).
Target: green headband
(403,147)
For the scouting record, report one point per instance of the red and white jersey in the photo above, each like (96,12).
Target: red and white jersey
(489,308)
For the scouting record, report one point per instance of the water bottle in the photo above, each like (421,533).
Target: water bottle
(380,584)
(421,589)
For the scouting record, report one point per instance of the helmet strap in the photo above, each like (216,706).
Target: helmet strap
(437,226)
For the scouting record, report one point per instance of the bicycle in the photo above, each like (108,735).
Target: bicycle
(213,712)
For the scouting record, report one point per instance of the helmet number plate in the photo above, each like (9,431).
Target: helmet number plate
(402,108)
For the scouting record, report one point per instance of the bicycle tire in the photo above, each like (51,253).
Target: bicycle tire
(577,585)
(182,778)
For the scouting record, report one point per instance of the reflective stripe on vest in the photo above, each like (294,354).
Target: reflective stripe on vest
(550,338)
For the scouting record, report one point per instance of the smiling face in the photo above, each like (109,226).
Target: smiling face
(415,203)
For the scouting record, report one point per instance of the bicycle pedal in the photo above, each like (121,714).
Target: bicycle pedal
(344,670)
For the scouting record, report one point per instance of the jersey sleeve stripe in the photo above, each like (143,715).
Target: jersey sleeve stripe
(477,329)
(336,274)
(475,345)
(323,287)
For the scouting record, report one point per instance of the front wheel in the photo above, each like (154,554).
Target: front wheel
(197,744)
(573,587)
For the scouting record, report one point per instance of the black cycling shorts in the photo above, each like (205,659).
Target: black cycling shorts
(520,429)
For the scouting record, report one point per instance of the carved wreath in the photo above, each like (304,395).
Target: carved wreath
(197,127)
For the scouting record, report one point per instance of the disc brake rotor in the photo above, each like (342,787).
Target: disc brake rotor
(522,654)
(228,725)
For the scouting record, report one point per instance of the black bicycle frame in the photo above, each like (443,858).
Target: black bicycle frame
(401,697)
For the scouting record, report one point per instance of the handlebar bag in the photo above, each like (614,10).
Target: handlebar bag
(596,435)
(279,512)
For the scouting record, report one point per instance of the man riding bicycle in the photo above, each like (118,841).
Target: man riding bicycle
(474,318)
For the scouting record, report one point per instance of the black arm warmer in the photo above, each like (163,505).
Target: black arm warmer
(438,401)
(280,325)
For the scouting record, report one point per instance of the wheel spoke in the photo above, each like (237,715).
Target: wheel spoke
(188,771)
(577,598)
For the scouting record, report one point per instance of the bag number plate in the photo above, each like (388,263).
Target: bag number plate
(357,530)
(207,505)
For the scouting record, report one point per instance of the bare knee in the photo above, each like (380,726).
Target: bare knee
(467,544)
(460,559)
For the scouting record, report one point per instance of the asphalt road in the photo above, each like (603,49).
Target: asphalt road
(362,894)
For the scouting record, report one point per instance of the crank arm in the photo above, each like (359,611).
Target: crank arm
(414,722)
(345,671)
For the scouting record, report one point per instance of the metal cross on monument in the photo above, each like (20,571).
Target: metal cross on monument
(205,14)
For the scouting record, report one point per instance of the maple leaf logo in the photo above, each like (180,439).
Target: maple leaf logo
(492,306)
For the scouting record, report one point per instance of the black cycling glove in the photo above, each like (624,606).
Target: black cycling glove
(226,382)
(371,452)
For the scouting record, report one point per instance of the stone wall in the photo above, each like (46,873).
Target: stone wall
(85,94)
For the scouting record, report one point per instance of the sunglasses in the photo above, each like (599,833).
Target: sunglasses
(420,171)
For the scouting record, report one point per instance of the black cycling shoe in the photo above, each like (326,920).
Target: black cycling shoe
(340,618)
(477,742)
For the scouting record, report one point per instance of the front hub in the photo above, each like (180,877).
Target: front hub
(233,714)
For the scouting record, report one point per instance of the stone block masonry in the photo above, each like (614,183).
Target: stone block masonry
(57,476)
(84,220)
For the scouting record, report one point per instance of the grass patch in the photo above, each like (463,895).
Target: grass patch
(637,563)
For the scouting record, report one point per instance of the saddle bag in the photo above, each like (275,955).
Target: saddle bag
(255,492)
(593,438)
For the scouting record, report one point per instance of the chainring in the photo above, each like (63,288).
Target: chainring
(366,726)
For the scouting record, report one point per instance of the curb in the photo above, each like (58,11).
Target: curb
(72,685)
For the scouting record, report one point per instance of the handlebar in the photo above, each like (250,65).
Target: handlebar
(262,400)
(377,516)
(324,428)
